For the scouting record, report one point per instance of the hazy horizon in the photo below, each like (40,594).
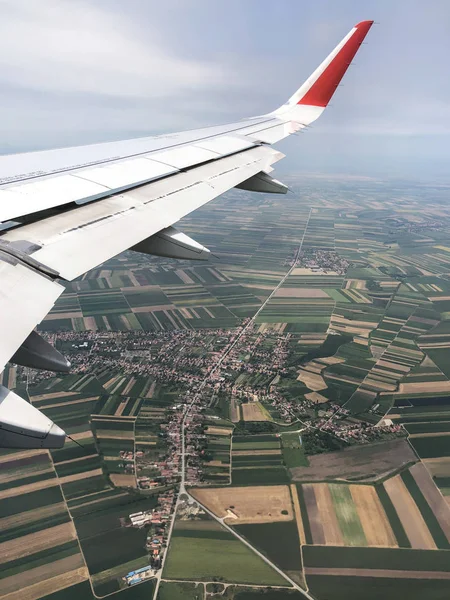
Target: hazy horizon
(85,72)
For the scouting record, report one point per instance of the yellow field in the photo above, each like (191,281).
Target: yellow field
(313,381)
(123,480)
(274,451)
(325,506)
(298,515)
(31,516)
(44,580)
(374,521)
(219,430)
(409,515)
(253,504)
(253,412)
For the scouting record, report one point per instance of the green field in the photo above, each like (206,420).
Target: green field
(376,558)
(179,591)
(203,558)
(264,475)
(269,595)
(82,591)
(374,588)
(427,513)
(293,452)
(278,541)
(347,516)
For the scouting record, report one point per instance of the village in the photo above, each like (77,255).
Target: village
(203,366)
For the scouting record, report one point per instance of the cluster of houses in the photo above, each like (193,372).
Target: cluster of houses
(361,432)
(166,356)
(157,521)
(196,444)
(323,261)
(165,466)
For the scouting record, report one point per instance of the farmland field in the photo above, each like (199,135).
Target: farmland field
(202,557)
(348,587)
(363,463)
(247,504)
(179,591)
(269,595)
(358,331)
(279,542)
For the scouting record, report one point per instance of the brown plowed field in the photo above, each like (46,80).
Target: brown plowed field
(72,402)
(18,475)
(36,542)
(315,521)
(122,407)
(409,515)
(54,583)
(433,496)
(252,504)
(30,487)
(325,506)
(253,412)
(219,430)
(274,451)
(52,395)
(375,524)
(78,476)
(185,278)
(112,434)
(298,515)
(123,480)
(21,455)
(31,516)
(367,463)
(313,381)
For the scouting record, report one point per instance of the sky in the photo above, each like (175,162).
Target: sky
(83,71)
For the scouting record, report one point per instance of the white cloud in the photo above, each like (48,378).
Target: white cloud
(74,47)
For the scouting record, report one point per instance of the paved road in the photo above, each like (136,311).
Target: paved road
(264,558)
(183,430)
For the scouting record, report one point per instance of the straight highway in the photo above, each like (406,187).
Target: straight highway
(187,409)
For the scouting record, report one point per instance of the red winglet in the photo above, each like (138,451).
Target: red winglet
(324,87)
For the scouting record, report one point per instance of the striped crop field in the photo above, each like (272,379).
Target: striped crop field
(345,515)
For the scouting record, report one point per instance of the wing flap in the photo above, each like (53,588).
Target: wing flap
(78,240)
(126,174)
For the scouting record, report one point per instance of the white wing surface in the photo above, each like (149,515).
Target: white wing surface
(65,211)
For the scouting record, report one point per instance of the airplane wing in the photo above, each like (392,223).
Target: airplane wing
(65,211)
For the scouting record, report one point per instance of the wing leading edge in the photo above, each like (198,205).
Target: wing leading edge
(64,212)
